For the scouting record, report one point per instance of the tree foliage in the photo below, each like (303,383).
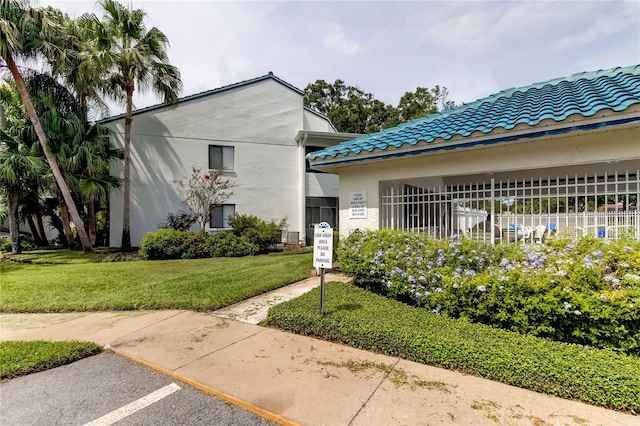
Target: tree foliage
(203,193)
(352,110)
(28,32)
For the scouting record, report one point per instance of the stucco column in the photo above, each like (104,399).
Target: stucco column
(302,190)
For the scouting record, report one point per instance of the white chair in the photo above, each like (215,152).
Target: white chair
(538,233)
(517,232)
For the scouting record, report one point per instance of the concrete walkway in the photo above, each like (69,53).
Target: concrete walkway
(295,379)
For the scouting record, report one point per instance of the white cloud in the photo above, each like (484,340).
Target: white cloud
(600,22)
(337,42)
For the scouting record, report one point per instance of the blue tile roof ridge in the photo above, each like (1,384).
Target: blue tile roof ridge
(506,109)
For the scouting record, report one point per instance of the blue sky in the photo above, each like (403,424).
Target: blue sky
(386,48)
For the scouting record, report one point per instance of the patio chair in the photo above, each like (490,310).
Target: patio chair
(517,232)
(538,233)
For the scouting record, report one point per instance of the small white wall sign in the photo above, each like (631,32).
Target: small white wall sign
(358,205)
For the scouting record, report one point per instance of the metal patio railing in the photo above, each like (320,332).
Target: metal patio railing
(605,206)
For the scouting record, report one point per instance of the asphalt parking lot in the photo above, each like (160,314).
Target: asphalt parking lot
(105,389)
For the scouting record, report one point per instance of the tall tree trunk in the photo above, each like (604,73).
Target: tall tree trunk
(34,231)
(40,226)
(66,223)
(14,229)
(57,174)
(91,220)
(126,217)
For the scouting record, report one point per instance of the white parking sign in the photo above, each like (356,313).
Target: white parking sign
(322,245)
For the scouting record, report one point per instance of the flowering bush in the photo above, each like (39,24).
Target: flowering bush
(583,291)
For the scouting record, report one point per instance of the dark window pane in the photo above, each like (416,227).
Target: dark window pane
(220,216)
(215,157)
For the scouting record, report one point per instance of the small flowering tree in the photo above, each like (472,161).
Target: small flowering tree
(203,193)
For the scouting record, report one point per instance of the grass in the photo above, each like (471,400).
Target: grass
(19,358)
(365,320)
(62,281)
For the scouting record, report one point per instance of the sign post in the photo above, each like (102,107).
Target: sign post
(322,253)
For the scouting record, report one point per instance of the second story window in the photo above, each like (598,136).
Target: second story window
(221,158)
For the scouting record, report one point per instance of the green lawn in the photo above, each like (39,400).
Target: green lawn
(201,284)
(19,358)
(365,320)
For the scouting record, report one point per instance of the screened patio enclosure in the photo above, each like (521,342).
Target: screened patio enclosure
(508,207)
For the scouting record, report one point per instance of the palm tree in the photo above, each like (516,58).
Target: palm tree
(92,163)
(13,120)
(28,32)
(83,149)
(85,67)
(85,72)
(140,62)
(17,164)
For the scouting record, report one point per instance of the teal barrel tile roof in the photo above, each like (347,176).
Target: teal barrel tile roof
(584,93)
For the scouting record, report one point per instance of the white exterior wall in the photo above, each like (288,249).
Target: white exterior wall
(315,122)
(321,185)
(260,120)
(571,152)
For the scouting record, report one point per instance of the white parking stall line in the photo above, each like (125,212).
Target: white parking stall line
(127,410)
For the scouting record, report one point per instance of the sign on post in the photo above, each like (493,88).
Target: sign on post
(322,245)
(322,253)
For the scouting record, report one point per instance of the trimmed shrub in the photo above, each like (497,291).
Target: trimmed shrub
(174,244)
(163,244)
(257,231)
(585,291)
(226,244)
(361,319)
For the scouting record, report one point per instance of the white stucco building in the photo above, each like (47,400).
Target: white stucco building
(257,130)
(558,156)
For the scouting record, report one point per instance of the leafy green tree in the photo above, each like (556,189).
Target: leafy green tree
(203,193)
(27,32)
(417,104)
(140,61)
(352,110)
(348,107)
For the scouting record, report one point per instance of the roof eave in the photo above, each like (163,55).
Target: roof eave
(332,163)
(200,95)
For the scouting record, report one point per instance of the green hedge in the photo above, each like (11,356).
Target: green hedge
(174,244)
(365,320)
(258,231)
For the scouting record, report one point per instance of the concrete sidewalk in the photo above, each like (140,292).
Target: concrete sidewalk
(295,379)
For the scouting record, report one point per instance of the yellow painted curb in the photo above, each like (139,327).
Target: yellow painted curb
(265,414)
